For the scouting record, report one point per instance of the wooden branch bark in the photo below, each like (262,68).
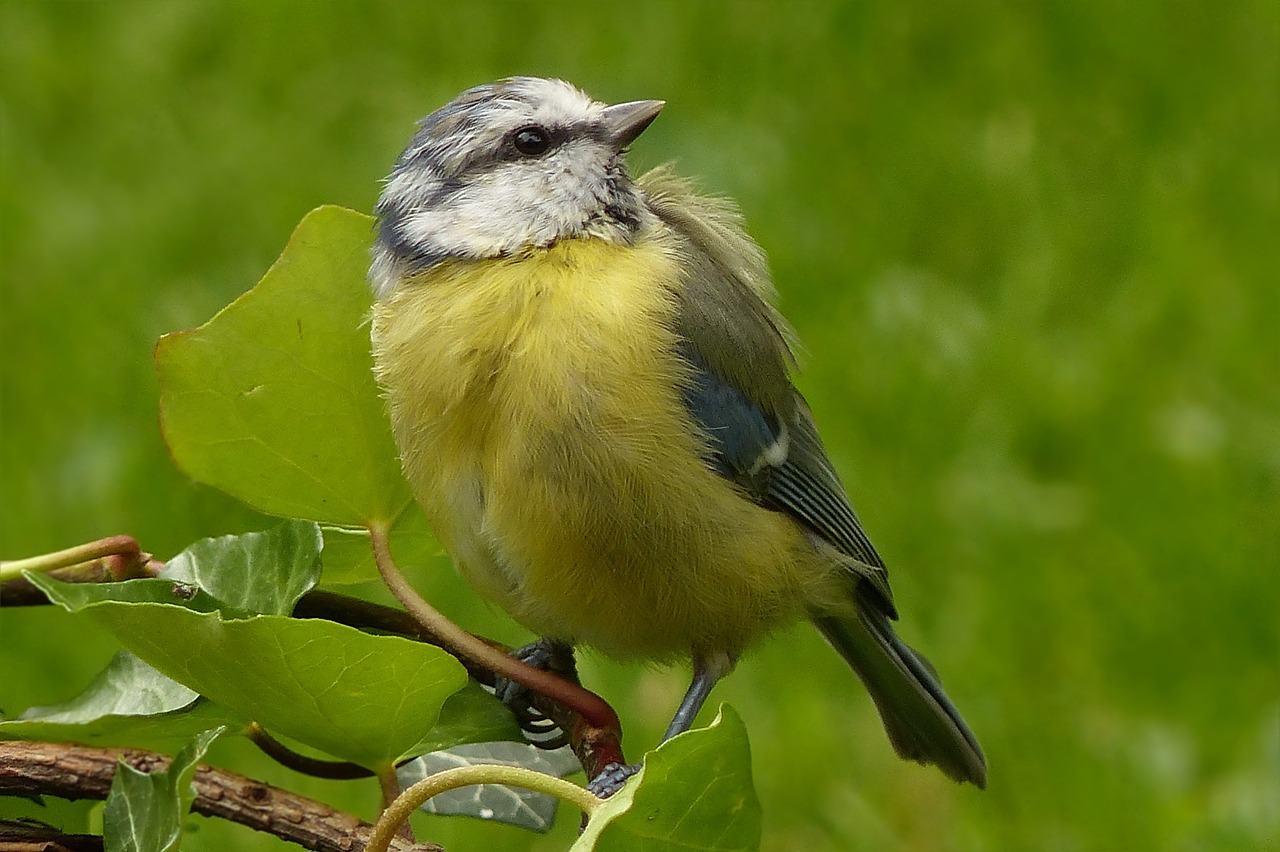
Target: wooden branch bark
(32,838)
(69,771)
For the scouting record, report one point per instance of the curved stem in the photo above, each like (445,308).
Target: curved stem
(465,776)
(593,709)
(44,563)
(337,770)
(389,781)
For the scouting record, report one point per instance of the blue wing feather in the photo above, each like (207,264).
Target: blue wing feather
(739,430)
(780,465)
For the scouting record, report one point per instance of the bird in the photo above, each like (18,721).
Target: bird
(591,390)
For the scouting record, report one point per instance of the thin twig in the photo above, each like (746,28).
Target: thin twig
(334,770)
(22,837)
(116,545)
(102,561)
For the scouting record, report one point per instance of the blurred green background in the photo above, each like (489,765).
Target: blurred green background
(1032,252)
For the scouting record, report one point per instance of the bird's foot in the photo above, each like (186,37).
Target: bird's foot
(552,655)
(611,779)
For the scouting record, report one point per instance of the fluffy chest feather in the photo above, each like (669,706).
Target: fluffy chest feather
(562,338)
(527,394)
(537,404)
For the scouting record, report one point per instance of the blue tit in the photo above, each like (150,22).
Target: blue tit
(590,388)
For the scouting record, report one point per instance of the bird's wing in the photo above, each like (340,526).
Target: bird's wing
(759,429)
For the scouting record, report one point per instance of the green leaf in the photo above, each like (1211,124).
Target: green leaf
(75,596)
(517,806)
(126,687)
(471,715)
(348,556)
(145,810)
(694,792)
(161,732)
(368,699)
(257,572)
(273,400)
(127,704)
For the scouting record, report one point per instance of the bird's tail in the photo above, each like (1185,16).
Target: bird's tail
(921,721)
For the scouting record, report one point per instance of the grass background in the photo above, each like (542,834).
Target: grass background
(1031,249)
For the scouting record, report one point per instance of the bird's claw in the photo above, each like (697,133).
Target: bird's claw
(612,778)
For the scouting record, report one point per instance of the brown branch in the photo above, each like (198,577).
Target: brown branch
(334,770)
(69,771)
(19,837)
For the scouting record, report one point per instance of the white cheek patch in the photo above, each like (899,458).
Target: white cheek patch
(518,204)
(411,183)
(464,228)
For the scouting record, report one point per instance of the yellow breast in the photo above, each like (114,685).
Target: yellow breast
(536,402)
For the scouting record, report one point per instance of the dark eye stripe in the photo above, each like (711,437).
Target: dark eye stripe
(485,155)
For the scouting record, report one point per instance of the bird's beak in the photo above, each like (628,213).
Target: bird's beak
(622,123)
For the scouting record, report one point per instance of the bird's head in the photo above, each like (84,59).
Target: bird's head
(524,162)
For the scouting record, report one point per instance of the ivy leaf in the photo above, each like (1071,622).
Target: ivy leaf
(126,687)
(470,715)
(495,802)
(257,572)
(273,400)
(159,732)
(694,792)
(348,556)
(75,596)
(128,703)
(368,699)
(145,810)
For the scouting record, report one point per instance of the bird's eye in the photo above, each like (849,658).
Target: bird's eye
(532,141)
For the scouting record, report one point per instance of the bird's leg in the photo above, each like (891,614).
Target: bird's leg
(553,655)
(707,671)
